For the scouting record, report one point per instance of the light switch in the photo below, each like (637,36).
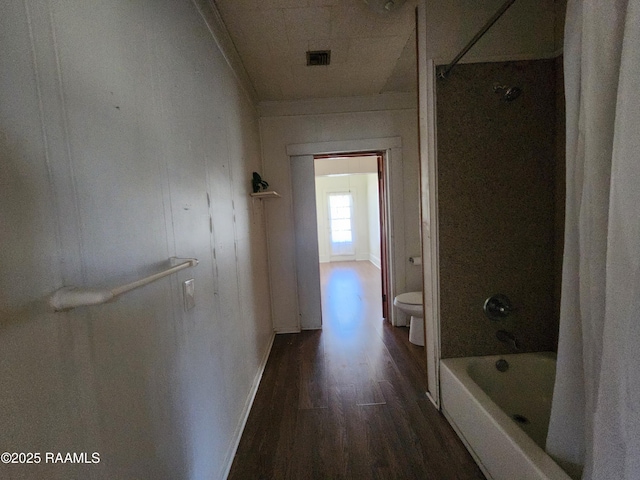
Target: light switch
(188,290)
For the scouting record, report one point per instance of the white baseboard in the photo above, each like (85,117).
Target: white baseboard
(375,260)
(247,409)
(362,257)
(288,330)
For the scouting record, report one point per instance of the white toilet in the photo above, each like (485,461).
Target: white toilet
(411,304)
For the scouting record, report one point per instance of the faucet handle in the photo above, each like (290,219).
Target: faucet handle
(497,306)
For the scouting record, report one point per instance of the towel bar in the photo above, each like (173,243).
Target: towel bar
(67,298)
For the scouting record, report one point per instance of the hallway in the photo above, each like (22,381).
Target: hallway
(348,401)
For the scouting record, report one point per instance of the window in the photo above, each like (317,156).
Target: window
(340,221)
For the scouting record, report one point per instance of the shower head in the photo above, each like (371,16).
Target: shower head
(509,94)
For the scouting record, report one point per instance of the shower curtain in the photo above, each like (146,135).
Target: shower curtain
(595,419)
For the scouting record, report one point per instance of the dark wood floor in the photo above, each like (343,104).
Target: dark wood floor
(348,402)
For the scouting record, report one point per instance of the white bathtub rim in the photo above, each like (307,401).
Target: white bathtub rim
(473,453)
(536,457)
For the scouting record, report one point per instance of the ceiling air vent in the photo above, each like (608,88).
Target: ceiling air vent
(319,57)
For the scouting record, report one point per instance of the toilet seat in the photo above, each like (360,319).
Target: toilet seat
(410,298)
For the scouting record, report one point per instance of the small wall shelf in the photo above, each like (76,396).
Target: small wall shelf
(269,194)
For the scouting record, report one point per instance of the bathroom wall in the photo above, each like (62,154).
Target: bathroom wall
(284,125)
(529,29)
(498,198)
(125,139)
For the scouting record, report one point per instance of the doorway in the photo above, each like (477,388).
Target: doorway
(306,304)
(351,212)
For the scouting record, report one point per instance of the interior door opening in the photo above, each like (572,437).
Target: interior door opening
(351,211)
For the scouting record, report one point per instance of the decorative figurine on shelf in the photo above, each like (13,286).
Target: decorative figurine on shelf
(258,183)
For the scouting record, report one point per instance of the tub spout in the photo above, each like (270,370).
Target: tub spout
(509,338)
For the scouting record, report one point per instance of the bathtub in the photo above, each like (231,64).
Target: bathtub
(502,417)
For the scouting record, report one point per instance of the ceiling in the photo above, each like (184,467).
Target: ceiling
(371,52)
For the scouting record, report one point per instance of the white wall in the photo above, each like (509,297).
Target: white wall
(306,237)
(374,220)
(118,121)
(357,185)
(527,30)
(278,132)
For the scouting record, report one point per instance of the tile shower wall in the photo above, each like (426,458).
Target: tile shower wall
(497,191)
(560,197)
